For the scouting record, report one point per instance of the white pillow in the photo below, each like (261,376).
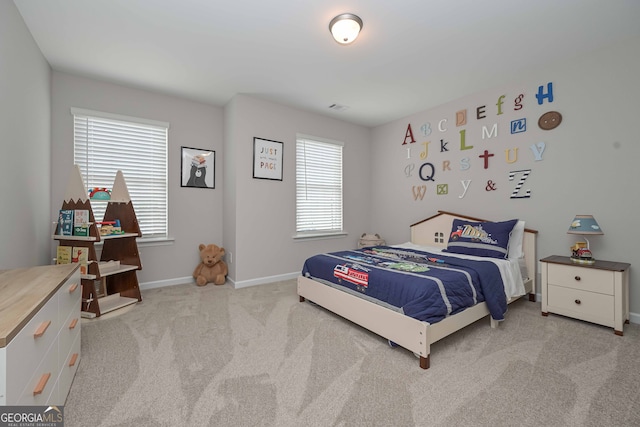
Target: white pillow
(515,241)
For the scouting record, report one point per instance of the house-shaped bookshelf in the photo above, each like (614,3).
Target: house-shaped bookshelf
(112,282)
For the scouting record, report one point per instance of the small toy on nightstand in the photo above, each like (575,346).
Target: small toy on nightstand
(584,225)
(581,254)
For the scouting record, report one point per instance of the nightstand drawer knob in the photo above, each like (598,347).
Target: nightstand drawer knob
(578,302)
(577,278)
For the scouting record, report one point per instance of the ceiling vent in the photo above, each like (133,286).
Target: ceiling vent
(337,107)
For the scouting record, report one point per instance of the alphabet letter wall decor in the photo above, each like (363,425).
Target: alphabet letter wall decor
(515,194)
(508,156)
(427,177)
(409,135)
(541,95)
(419,192)
(465,186)
(482,138)
(538,149)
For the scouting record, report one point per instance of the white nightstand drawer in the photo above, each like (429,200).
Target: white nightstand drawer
(589,306)
(588,279)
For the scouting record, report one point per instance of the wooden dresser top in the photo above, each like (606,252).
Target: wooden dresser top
(24,291)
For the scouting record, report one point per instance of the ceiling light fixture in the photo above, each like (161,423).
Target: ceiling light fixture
(345,27)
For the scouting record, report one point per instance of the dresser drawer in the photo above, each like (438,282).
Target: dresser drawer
(580,304)
(25,352)
(68,371)
(44,377)
(69,332)
(69,296)
(588,279)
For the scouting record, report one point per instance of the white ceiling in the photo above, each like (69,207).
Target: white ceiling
(410,56)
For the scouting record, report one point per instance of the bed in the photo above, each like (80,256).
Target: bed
(435,232)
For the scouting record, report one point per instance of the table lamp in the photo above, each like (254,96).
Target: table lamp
(583,225)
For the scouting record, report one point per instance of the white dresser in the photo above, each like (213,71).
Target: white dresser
(597,293)
(39,334)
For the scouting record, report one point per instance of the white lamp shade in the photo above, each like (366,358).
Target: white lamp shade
(345,28)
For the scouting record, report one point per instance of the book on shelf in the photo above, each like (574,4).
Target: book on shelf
(81,255)
(81,217)
(81,230)
(65,222)
(63,254)
(81,222)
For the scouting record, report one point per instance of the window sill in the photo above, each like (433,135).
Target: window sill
(319,235)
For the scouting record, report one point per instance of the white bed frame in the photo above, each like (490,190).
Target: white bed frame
(412,334)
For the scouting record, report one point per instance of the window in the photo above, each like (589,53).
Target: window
(105,143)
(318,187)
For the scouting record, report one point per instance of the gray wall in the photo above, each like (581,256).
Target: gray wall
(260,214)
(253,219)
(25,102)
(195,215)
(589,165)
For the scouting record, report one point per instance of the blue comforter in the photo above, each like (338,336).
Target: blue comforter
(425,286)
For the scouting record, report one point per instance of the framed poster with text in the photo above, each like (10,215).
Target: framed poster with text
(267,159)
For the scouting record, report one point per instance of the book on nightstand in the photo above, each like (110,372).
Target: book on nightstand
(65,222)
(63,254)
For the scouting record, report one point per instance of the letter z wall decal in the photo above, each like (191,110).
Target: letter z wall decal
(525,174)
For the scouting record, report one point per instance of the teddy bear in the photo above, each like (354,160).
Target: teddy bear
(211,268)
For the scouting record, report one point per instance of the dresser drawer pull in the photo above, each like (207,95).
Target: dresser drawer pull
(73,323)
(577,278)
(578,302)
(74,357)
(73,288)
(41,329)
(41,384)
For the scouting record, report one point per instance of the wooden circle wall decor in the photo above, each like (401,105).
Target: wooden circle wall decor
(550,120)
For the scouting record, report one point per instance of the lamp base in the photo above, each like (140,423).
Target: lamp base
(584,261)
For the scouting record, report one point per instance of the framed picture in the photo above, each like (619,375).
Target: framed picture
(198,168)
(267,159)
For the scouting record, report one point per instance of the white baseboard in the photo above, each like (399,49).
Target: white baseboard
(264,280)
(168,282)
(237,285)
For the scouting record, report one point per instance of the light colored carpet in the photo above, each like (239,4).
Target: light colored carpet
(218,356)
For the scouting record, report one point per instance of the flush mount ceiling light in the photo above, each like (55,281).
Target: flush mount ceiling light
(345,27)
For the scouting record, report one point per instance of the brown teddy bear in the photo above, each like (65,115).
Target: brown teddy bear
(212,268)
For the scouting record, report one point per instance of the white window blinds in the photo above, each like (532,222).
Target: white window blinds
(105,143)
(318,186)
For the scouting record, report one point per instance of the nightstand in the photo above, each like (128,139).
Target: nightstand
(597,293)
